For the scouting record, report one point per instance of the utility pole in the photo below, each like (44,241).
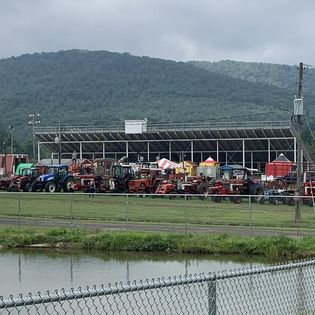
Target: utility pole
(59,145)
(34,119)
(11,128)
(58,142)
(298,113)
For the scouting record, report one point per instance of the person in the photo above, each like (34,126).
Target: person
(91,188)
(74,157)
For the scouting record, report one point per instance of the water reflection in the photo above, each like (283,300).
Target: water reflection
(30,270)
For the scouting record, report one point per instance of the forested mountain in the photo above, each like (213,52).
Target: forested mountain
(283,76)
(104,88)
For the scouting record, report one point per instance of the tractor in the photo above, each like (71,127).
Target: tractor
(180,186)
(117,181)
(24,181)
(236,181)
(146,180)
(57,178)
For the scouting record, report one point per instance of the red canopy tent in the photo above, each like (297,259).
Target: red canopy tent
(279,167)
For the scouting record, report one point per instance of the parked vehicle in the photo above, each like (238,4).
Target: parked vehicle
(145,180)
(57,178)
(24,181)
(236,180)
(272,196)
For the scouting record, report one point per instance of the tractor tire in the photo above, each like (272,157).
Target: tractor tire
(217,199)
(237,199)
(12,188)
(33,187)
(68,185)
(172,195)
(27,187)
(202,190)
(257,191)
(51,186)
(143,189)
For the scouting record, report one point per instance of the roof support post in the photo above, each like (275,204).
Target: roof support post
(192,150)
(243,152)
(217,151)
(251,159)
(148,151)
(295,145)
(127,152)
(81,150)
(268,150)
(170,150)
(38,151)
(103,150)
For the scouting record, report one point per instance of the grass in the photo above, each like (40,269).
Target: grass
(270,247)
(136,209)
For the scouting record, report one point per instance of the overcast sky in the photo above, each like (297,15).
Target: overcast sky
(276,31)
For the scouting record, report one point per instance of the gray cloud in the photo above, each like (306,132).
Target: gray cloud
(278,31)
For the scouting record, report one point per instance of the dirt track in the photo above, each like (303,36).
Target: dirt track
(150,227)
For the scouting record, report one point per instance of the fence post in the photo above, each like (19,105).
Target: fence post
(19,211)
(212,297)
(250,214)
(71,210)
(186,216)
(127,210)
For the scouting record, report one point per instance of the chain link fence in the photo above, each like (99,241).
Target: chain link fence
(277,289)
(270,215)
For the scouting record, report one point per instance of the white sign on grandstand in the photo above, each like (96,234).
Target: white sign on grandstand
(135,126)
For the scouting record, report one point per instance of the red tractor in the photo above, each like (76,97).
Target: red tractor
(236,181)
(25,180)
(146,181)
(192,185)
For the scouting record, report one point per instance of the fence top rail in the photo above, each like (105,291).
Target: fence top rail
(117,288)
(55,129)
(140,194)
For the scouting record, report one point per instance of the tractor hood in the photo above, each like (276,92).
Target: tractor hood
(46,177)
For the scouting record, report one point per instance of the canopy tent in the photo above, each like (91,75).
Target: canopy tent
(279,167)
(209,162)
(165,163)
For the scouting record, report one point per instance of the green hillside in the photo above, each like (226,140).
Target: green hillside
(104,88)
(282,76)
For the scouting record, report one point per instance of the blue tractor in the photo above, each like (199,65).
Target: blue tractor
(56,179)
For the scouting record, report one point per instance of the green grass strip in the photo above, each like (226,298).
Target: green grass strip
(271,247)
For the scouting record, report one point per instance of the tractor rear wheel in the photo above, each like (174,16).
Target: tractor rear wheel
(68,185)
(27,187)
(237,199)
(257,191)
(217,199)
(51,186)
(203,190)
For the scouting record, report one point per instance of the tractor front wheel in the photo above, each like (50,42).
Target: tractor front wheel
(51,186)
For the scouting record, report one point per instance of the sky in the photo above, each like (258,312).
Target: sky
(272,31)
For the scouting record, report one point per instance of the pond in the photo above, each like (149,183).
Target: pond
(30,270)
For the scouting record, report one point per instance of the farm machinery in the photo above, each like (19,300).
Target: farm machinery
(25,180)
(56,178)
(236,181)
(145,180)
(90,174)
(8,164)
(184,186)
